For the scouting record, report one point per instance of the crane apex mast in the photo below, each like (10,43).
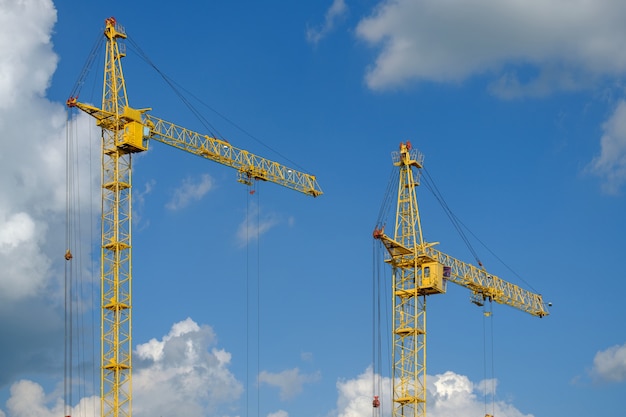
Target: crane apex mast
(112,29)
(408,156)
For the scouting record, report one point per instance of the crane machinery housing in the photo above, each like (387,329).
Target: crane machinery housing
(126,131)
(420,270)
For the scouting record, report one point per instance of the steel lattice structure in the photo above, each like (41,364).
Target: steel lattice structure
(125,131)
(419,270)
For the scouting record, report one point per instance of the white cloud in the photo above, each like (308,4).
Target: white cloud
(279,413)
(355,396)
(28,400)
(448,395)
(32,146)
(24,265)
(183,373)
(564,42)
(18,229)
(27,60)
(335,12)
(610,364)
(290,381)
(189,375)
(254,225)
(33,190)
(610,165)
(189,191)
(139,201)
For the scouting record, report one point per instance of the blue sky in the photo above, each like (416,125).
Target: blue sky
(519,108)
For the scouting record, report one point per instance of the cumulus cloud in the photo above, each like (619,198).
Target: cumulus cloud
(448,395)
(32,147)
(28,399)
(610,164)
(564,42)
(181,373)
(610,365)
(335,12)
(289,382)
(32,190)
(355,396)
(189,191)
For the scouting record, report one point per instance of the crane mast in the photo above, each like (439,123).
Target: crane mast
(419,270)
(125,131)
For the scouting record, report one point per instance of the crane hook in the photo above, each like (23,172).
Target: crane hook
(376,402)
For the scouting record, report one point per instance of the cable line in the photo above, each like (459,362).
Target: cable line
(432,187)
(207,125)
(95,51)
(68,296)
(253,224)
(387,201)
(78,280)
(380,330)
(489,359)
(178,89)
(460,227)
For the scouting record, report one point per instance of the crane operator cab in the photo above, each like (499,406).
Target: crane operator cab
(433,278)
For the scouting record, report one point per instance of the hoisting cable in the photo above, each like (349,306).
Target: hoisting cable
(375,332)
(207,125)
(490,380)
(77,304)
(93,282)
(258,293)
(493,369)
(459,226)
(74,320)
(377,313)
(247,304)
(87,66)
(251,209)
(385,207)
(489,388)
(379,292)
(178,89)
(68,296)
(432,187)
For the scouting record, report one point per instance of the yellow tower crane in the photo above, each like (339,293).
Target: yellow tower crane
(126,131)
(419,270)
